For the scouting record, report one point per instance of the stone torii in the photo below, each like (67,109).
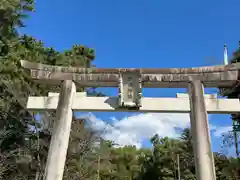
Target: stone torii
(130,83)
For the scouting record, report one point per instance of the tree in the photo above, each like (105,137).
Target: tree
(23,144)
(188,157)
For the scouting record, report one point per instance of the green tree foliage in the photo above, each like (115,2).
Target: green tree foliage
(160,162)
(23,146)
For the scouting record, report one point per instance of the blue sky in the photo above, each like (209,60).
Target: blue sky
(142,33)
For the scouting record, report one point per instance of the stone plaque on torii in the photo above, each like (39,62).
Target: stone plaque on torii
(130,83)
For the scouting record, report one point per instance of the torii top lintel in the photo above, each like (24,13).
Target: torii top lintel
(211,76)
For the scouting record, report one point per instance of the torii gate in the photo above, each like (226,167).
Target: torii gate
(130,82)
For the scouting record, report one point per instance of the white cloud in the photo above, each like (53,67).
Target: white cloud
(218,131)
(133,130)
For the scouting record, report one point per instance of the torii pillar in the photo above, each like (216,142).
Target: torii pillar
(61,131)
(204,160)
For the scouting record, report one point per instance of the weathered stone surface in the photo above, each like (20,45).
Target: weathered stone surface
(48,75)
(154,105)
(203,155)
(207,69)
(213,76)
(60,136)
(223,79)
